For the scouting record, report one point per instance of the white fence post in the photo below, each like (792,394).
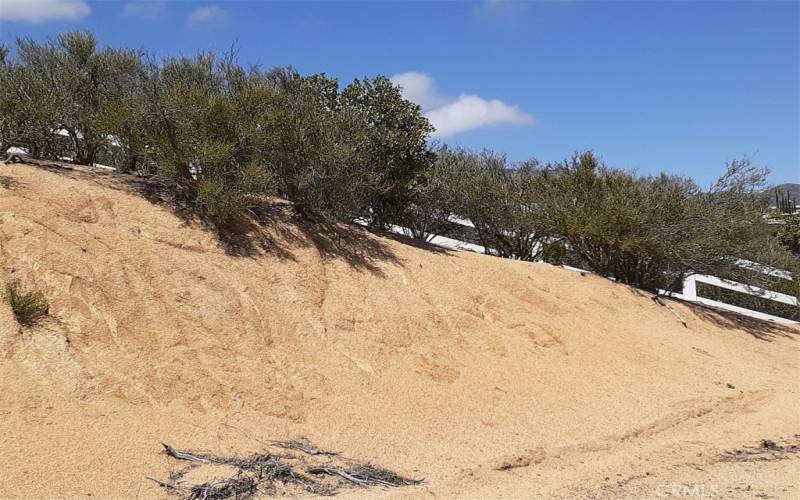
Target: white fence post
(689,288)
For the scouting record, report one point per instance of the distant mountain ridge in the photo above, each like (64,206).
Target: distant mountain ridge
(788,187)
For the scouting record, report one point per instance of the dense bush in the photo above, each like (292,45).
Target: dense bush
(27,306)
(436,196)
(209,127)
(395,145)
(503,204)
(789,234)
(649,231)
(66,86)
(318,155)
(500,201)
(227,134)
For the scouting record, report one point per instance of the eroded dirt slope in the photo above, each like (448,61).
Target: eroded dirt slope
(486,377)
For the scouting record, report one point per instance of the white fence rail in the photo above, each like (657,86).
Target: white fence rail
(689,292)
(690,289)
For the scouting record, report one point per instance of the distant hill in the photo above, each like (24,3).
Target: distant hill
(789,187)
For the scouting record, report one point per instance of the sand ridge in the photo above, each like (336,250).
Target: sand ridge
(487,377)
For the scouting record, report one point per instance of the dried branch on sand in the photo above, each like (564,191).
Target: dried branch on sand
(298,467)
(366,475)
(303,445)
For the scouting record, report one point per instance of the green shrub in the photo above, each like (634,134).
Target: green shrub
(555,252)
(28,306)
(218,202)
(499,198)
(649,232)
(789,234)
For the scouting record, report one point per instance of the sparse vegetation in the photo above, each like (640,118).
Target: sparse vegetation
(226,137)
(28,306)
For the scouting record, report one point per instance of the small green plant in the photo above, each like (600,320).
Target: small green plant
(28,306)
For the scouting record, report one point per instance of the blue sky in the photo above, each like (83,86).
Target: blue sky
(653,86)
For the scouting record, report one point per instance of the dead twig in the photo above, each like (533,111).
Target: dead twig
(366,475)
(238,487)
(167,486)
(182,455)
(660,302)
(340,473)
(303,445)
(303,467)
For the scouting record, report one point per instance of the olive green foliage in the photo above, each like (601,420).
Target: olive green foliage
(789,234)
(66,85)
(319,159)
(395,147)
(499,200)
(436,196)
(502,203)
(210,130)
(650,232)
(228,134)
(27,306)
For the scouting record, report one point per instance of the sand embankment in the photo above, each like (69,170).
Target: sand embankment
(485,376)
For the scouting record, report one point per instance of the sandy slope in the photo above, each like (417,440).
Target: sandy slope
(485,376)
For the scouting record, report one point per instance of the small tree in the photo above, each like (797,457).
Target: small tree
(499,200)
(395,148)
(436,196)
(208,130)
(319,155)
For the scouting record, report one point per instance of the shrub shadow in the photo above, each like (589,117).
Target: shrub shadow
(271,227)
(758,328)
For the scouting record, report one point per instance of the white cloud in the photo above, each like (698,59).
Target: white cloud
(40,11)
(419,88)
(453,116)
(205,15)
(470,112)
(145,9)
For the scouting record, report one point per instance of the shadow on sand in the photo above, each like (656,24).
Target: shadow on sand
(272,227)
(758,328)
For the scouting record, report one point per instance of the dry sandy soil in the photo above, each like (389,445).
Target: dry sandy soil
(485,377)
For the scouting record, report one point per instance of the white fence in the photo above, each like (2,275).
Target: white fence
(689,292)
